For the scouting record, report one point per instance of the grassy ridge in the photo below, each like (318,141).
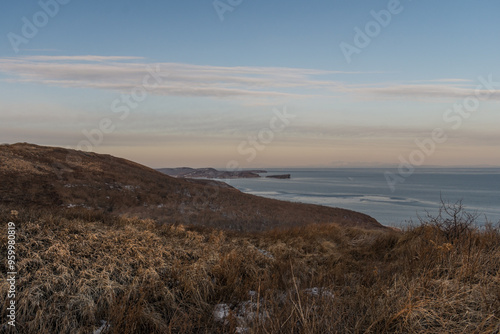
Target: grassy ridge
(38,176)
(77,268)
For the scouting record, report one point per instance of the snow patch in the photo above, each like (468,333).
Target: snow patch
(319,292)
(245,313)
(266,253)
(221,312)
(104,325)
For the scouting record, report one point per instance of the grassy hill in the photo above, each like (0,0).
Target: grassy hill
(38,176)
(87,263)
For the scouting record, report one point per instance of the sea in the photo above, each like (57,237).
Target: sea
(410,198)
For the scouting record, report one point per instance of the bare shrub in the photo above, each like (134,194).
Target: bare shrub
(452,221)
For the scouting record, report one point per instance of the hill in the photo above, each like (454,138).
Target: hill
(82,266)
(52,177)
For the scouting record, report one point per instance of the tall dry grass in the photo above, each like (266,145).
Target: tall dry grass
(78,268)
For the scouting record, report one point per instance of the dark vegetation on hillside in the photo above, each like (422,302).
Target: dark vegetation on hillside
(81,270)
(37,176)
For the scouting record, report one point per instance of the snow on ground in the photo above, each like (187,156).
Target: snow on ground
(104,325)
(248,312)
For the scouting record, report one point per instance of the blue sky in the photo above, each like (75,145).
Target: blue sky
(224,81)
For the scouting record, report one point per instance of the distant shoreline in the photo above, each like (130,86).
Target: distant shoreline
(212,173)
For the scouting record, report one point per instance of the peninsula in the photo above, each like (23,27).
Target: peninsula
(210,173)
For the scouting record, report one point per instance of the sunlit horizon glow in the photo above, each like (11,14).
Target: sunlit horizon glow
(183,88)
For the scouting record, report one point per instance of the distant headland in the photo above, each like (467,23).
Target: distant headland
(212,173)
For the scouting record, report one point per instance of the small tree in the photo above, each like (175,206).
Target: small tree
(452,220)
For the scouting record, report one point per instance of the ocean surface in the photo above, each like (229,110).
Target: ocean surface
(366,190)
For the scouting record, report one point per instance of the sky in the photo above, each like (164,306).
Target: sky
(244,84)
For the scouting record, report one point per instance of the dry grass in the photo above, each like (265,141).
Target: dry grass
(37,176)
(78,268)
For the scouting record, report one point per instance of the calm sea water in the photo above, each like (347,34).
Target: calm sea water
(366,190)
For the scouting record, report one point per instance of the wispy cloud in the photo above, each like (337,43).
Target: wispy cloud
(123,74)
(429,91)
(445,80)
(120,73)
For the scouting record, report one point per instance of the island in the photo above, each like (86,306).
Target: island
(282,176)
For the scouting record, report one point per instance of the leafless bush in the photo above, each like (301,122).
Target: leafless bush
(453,221)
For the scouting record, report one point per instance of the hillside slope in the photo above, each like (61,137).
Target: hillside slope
(38,176)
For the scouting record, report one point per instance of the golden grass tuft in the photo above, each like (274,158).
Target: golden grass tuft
(79,268)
